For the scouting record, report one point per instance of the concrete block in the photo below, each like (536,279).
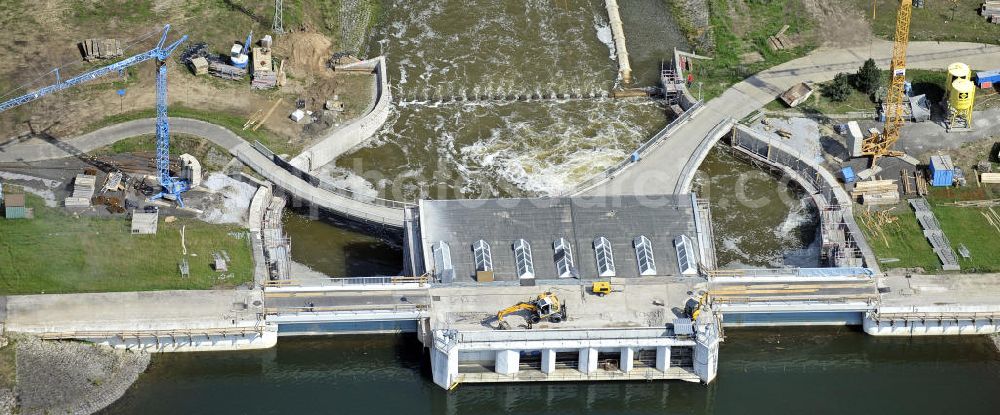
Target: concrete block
(548,361)
(444,367)
(507,362)
(588,360)
(626,361)
(663,358)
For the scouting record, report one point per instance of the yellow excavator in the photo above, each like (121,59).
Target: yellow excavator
(692,309)
(545,306)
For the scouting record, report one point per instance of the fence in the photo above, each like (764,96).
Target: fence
(324,185)
(350,281)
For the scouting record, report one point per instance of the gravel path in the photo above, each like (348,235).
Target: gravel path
(72,377)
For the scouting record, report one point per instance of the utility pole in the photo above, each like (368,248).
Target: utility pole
(278,26)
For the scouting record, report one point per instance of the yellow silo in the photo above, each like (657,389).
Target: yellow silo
(963,94)
(957,70)
(961,98)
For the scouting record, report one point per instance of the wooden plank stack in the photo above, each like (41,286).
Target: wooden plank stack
(780,41)
(991,11)
(876,192)
(224,71)
(94,49)
(990,178)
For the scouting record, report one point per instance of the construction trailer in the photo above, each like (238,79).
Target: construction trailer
(987,79)
(144,223)
(942,171)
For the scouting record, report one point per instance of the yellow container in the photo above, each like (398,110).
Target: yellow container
(962,95)
(958,70)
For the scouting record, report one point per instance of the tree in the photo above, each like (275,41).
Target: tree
(869,77)
(838,89)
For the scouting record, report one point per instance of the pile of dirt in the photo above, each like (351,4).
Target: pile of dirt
(307,53)
(839,24)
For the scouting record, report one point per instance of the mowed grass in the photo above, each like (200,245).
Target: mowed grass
(903,240)
(58,253)
(962,225)
(938,20)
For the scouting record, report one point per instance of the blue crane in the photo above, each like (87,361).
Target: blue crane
(239,55)
(172,186)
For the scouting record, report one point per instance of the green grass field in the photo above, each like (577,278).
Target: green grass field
(962,225)
(58,253)
(938,20)
(762,20)
(903,240)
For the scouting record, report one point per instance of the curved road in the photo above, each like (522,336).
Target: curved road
(670,167)
(35,150)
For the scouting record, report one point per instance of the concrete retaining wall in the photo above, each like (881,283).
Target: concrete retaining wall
(356,132)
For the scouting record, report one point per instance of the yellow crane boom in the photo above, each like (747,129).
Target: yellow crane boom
(880,145)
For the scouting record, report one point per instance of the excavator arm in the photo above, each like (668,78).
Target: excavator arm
(503,324)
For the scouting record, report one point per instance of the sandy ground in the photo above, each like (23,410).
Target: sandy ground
(839,24)
(28,52)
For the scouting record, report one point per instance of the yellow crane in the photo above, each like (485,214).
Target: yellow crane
(546,305)
(880,145)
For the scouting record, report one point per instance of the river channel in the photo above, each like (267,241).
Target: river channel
(441,144)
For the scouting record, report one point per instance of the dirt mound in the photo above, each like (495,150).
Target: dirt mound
(839,23)
(307,52)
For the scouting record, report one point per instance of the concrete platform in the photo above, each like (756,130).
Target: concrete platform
(475,308)
(954,292)
(573,375)
(133,311)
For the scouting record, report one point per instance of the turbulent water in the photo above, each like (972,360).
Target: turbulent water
(499,98)
(758,220)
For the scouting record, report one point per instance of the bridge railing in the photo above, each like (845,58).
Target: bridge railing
(325,185)
(349,282)
(638,154)
(358,310)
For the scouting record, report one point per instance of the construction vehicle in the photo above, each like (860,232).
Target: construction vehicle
(602,288)
(239,54)
(880,145)
(545,306)
(692,309)
(172,187)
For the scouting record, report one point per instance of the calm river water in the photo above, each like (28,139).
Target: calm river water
(813,371)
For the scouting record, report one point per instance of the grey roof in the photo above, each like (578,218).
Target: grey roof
(541,221)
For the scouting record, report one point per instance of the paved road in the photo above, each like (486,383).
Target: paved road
(37,149)
(346,299)
(660,172)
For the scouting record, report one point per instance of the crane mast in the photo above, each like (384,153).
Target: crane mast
(880,145)
(172,186)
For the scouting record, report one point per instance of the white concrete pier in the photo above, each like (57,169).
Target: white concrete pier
(646,353)
(618,32)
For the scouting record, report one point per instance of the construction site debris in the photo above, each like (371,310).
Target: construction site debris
(990,178)
(94,49)
(779,41)
(297,115)
(934,234)
(797,94)
(221,70)
(83,190)
(199,66)
(876,192)
(991,11)
(144,223)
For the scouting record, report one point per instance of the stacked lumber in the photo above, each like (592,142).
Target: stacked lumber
(224,71)
(780,41)
(877,192)
(991,11)
(264,80)
(93,49)
(83,190)
(991,178)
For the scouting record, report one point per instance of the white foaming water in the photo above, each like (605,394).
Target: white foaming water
(606,37)
(798,215)
(346,179)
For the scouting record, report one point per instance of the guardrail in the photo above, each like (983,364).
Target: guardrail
(360,310)
(324,185)
(636,155)
(350,281)
(694,161)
